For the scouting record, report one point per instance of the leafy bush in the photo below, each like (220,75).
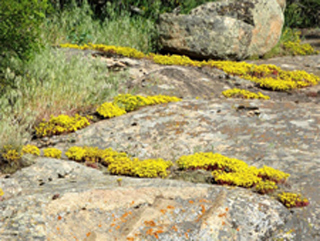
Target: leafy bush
(302,13)
(20,22)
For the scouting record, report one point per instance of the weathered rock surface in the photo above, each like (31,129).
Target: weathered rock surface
(224,29)
(62,200)
(282,4)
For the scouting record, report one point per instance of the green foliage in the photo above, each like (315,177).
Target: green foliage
(302,13)
(20,22)
(28,99)
(290,44)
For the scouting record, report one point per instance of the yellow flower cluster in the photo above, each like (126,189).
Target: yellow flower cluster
(121,104)
(240,179)
(266,76)
(210,161)
(232,171)
(225,170)
(294,45)
(52,152)
(124,103)
(132,102)
(246,94)
(120,163)
(109,155)
(296,48)
(75,153)
(61,124)
(265,187)
(124,51)
(273,174)
(31,149)
(293,200)
(175,60)
(91,154)
(10,154)
(109,110)
(140,168)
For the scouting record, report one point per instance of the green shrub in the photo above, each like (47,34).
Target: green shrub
(20,22)
(302,13)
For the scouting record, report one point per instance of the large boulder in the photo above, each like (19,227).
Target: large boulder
(223,30)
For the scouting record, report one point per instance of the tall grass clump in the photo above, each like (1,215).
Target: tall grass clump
(77,24)
(53,83)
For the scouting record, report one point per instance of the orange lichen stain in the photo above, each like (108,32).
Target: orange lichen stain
(150,223)
(130,239)
(203,201)
(88,234)
(178,132)
(58,228)
(203,208)
(170,207)
(112,225)
(123,217)
(222,215)
(159,231)
(59,217)
(149,231)
(186,234)
(132,202)
(175,228)
(223,223)
(110,230)
(163,211)
(156,235)
(99,225)
(118,227)
(113,215)
(238,229)
(191,202)
(227,209)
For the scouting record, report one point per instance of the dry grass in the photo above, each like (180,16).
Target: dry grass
(53,85)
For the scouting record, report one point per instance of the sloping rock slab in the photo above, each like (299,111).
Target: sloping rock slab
(61,200)
(281,135)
